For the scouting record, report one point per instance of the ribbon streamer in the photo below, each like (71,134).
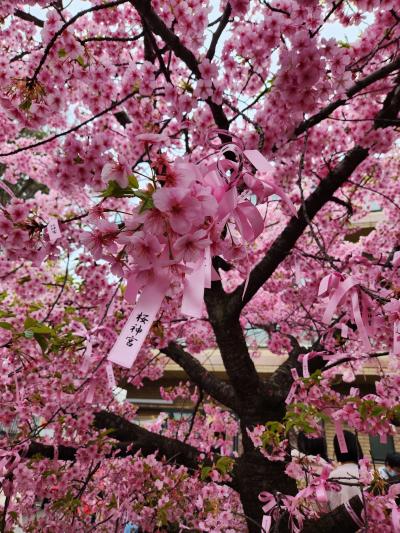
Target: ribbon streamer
(193,290)
(340,436)
(336,291)
(110,375)
(262,165)
(396,337)
(53,230)
(7,189)
(306,372)
(134,332)
(293,388)
(270,502)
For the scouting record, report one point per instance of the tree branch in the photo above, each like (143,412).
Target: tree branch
(132,438)
(220,391)
(218,32)
(158,26)
(283,245)
(147,441)
(232,345)
(28,17)
(71,21)
(387,116)
(74,128)
(354,89)
(324,192)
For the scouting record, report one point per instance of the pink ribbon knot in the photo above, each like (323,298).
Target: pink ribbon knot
(270,502)
(335,286)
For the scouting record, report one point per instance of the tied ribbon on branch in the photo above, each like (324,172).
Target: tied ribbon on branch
(212,196)
(53,230)
(127,346)
(335,286)
(270,503)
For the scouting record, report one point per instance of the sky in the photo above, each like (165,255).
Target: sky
(335,30)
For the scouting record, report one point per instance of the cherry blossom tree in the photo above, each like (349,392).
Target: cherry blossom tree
(178,176)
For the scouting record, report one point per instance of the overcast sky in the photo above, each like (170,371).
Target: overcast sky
(335,30)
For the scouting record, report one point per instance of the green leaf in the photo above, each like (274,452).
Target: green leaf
(6,325)
(42,341)
(81,61)
(133,182)
(204,473)
(62,53)
(37,327)
(35,307)
(6,314)
(224,464)
(114,190)
(25,105)
(377,410)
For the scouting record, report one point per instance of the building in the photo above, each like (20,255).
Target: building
(151,404)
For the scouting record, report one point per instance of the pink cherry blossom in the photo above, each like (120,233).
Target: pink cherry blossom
(180,206)
(189,246)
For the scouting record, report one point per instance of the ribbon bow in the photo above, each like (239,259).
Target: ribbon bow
(270,502)
(336,287)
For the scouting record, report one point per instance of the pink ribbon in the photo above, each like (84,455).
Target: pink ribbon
(396,337)
(320,491)
(298,275)
(207,268)
(262,165)
(134,332)
(90,393)
(336,291)
(340,436)
(266,523)
(293,388)
(7,189)
(110,375)
(132,289)
(193,290)
(360,321)
(337,295)
(306,372)
(53,229)
(249,222)
(87,356)
(394,492)
(270,502)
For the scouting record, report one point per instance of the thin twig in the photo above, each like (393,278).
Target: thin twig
(74,128)
(195,409)
(61,290)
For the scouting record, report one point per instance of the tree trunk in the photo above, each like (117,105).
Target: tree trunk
(254,474)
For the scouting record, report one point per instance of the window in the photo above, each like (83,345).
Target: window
(380,450)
